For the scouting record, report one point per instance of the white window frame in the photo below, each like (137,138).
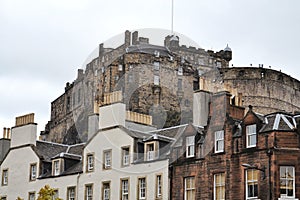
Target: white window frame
(142,188)
(56,167)
(88,192)
(90,162)
(31,196)
(33,172)
(5,177)
(251,182)
(120,67)
(124,189)
(158,186)
(71,193)
(219,141)
(249,134)
(219,185)
(107,159)
(190,189)
(150,151)
(125,156)
(190,146)
(286,179)
(106,190)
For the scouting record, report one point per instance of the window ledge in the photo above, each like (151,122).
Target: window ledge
(287,198)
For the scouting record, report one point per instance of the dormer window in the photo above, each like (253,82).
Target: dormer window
(219,141)
(151,149)
(90,163)
(56,167)
(190,146)
(251,135)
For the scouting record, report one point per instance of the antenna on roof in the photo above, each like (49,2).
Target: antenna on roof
(172,18)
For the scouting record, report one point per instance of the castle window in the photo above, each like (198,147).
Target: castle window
(120,68)
(90,163)
(79,95)
(33,172)
(5,177)
(218,64)
(156,80)
(287,182)
(180,70)
(189,188)
(219,186)
(219,141)
(107,159)
(130,78)
(251,135)
(179,84)
(156,65)
(102,70)
(190,146)
(251,184)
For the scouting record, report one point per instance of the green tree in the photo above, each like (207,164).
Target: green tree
(47,193)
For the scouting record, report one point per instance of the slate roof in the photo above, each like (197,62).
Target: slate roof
(279,122)
(47,150)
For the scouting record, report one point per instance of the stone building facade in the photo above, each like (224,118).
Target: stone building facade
(265,89)
(238,156)
(155,80)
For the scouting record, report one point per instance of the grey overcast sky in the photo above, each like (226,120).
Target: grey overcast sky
(43,43)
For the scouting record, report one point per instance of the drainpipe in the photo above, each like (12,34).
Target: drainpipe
(77,185)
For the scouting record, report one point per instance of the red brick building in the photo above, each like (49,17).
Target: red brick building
(237,156)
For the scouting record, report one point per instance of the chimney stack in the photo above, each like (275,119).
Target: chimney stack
(24,132)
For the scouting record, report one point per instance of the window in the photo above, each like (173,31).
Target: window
(251,183)
(150,153)
(287,181)
(31,196)
(56,167)
(189,188)
(219,186)
(251,135)
(180,70)
(179,84)
(130,78)
(219,141)
(124,189)
(120,67)
(105,191)
(125,156)
(32,172)
(71,193)
(79,95)
(142,188)
(56,195)
(158,186)
(156,80)
(156,65)
(190,146)
(88,192)
(5,177)
(219,64)
(90,163)
(107,159)
(3,198)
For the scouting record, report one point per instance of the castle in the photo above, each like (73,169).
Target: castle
(153,80)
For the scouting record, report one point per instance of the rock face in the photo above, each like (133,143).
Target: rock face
(155,80)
